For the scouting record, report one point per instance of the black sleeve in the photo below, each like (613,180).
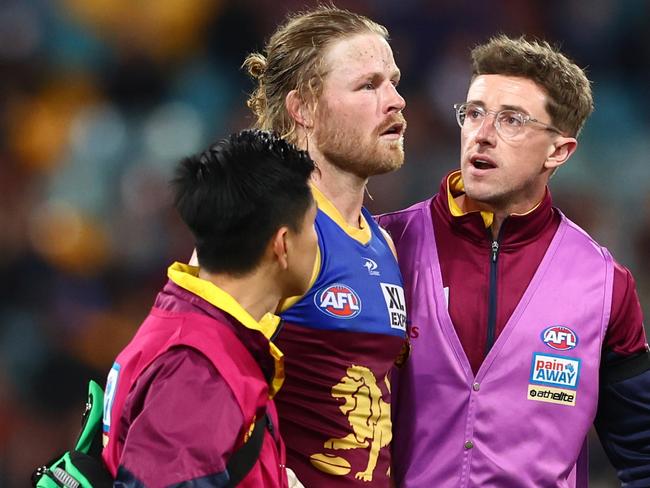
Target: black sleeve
(623,417)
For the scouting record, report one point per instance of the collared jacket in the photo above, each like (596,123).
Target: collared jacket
(186,391)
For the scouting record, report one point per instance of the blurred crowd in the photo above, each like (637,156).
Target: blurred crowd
(99,99)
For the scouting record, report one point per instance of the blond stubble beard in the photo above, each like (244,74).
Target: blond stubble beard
(363,156)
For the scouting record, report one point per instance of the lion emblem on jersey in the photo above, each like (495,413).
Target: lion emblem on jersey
(368,415)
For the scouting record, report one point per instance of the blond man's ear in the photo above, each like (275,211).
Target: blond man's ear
(299,110)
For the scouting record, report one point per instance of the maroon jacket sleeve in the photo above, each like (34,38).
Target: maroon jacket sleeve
(183,423)
(625,335)
(623,416)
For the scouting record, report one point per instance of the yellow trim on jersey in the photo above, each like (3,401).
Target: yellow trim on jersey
(187,277)
(362,234)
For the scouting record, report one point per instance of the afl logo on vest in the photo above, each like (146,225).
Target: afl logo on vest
(338,301)
(559,338)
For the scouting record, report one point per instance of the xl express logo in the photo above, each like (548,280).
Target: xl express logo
(560,338)
(394,297)
(338,300)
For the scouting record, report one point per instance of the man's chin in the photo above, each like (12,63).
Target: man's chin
(365,164)
(382,167)
(393,160)
(390,167)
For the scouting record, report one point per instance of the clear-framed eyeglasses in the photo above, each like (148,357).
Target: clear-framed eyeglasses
(508,122)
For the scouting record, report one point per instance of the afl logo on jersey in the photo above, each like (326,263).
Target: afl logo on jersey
(560,338)
(338,301)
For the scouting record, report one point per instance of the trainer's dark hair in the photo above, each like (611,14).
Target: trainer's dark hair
(235,195)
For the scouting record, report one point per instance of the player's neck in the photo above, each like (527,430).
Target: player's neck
(343,189)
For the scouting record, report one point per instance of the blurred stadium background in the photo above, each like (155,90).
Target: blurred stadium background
(99,98)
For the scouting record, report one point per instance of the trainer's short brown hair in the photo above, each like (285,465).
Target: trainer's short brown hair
(569,100)
(293,60)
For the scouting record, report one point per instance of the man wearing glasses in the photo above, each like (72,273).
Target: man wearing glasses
(524,331)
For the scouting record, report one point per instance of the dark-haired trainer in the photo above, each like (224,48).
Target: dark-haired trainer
(197,380)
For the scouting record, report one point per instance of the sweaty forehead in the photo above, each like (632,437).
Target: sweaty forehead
(361,52)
